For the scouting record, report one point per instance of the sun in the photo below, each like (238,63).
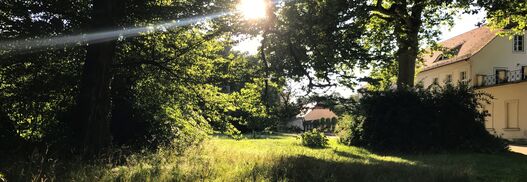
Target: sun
(252,9)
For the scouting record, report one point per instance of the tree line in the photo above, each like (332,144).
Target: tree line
(184,82)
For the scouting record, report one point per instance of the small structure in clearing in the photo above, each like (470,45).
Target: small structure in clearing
(317,117)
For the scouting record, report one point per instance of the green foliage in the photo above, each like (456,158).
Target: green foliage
(286,110)
(314,138)
(506,14)
(315,40)
(312,40)
(434,119)
(349,130)
(166,86)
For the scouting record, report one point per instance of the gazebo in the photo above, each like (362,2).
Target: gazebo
(317,117)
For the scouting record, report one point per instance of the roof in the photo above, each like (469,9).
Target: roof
(319,113)
(469,43)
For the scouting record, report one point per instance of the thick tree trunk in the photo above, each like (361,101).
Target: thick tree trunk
(406,57)
(94,99)
(408,46)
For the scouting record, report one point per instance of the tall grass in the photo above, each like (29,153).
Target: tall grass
(278,158)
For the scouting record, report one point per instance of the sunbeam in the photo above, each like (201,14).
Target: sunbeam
(49,43)
(97,37)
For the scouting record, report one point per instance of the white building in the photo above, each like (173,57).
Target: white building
(493,64)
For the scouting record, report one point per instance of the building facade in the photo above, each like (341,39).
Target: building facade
(492,64)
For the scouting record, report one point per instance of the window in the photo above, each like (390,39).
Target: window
(501,75)
(519,44)
(443,57)
(511,114)
(449,53)
(448,78)
(463,76)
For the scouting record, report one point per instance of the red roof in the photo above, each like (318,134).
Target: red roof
(319,113)
(470,43)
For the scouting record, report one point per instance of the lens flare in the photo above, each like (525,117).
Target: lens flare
(251,9)
(97,37)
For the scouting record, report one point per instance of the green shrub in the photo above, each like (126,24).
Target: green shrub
(314,139)
(434,119)
(349,130)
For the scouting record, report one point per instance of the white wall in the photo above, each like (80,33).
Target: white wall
(441,73)
(498,53)
(516,92)
(297,122)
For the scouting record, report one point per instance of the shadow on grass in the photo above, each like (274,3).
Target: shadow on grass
(305,168)
(349,155)
(258,135)
(507,166)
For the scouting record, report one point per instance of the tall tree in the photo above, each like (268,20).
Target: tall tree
(94,98)
(327,37)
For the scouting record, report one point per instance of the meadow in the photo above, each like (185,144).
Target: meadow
(282,158)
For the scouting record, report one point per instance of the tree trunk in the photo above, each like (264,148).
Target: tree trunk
(94,98)
(406,57)
(267,71)
(408,46)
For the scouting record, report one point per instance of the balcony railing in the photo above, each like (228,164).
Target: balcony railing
(501,78)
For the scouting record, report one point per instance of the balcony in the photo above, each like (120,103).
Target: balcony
(502,77)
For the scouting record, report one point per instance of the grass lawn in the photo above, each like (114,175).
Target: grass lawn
(282,158)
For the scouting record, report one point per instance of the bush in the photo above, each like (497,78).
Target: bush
(314,139)
(434,119)
(349,130)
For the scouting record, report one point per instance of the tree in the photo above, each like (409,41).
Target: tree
(152,89)
(94,103)
(38,87)
(328,38)
(309,41)
(506,14)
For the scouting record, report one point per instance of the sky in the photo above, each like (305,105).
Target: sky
(462,24)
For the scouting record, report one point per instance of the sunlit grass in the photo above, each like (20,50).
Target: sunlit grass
(282,158)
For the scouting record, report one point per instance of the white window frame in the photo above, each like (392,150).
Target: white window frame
(516,46)
(463,74)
